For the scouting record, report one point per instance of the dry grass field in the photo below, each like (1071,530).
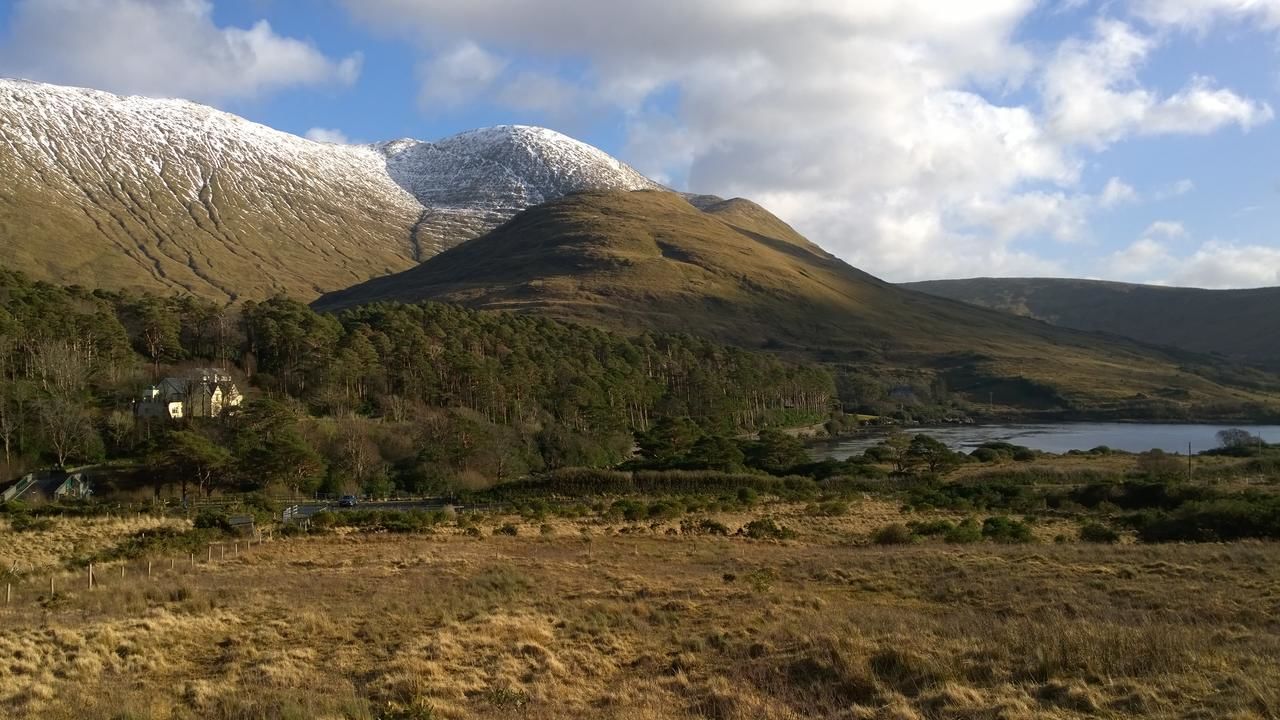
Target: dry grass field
(593,621)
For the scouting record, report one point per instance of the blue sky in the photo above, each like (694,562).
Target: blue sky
(916,139)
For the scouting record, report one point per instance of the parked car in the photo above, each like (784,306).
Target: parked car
(347,501)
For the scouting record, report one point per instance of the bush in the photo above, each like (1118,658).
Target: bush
(1098,533)
(966,532)
(705,526)
(893,534)
(767,529)
(933,527)
(1246,516)
(26,523)
(507,529)
(1007,530)
(829,508)
(209,519)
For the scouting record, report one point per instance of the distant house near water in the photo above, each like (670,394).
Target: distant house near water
(203,393)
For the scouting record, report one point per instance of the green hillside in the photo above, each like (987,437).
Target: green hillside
(1240,325)
(735,273)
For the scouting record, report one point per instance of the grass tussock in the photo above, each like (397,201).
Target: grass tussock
(588,621)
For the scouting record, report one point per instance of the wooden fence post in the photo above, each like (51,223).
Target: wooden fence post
(148,569)
(90,576)
(210,553)
(193,559)
(51,590)
(121,571)
(222,551)
(8,593)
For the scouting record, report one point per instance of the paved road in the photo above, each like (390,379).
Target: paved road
(309,508)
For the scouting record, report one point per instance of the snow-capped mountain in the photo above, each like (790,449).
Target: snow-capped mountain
(115,191)
(476,180)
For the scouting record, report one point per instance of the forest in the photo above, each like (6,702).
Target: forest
(415,398)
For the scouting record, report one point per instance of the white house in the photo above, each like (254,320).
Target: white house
(204,392)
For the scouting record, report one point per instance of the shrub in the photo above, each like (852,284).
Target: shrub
(208,519)
(705,526)
(829,508)
(893,534)
(968,531)
(767,529)
(665,510)
(986,455)
(507,529)
(1004,529)
(1098,533)
(1245,516)
(933,527)
(26,523)
(325,519)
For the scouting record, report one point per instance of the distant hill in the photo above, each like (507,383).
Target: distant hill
(1241,325)
(138,193)
(734,272)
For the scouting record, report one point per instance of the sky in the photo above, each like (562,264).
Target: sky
(1132,140)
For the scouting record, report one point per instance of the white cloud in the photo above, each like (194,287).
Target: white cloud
(1199,15)
(1227,265)
(160,48)
(1117,192)
(1092,95)
(328,135)
(546,94)
(1168,229)
(1214,264)
(458,76)
(878,128)
(1140,261)
(1176,189)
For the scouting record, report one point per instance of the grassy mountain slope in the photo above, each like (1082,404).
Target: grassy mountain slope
(136,193)
(650,260)
(1242,325)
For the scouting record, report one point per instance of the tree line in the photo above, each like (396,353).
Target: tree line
(386,396)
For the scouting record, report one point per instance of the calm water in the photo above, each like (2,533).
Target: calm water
(1061,437)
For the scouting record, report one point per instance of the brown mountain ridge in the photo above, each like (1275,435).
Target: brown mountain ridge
(733,272)
(1240,325)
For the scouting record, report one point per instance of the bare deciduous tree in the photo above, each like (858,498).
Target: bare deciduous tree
(67,427)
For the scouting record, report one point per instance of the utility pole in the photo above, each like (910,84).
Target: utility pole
(1188,462)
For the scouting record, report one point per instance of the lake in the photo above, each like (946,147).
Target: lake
(1059,437)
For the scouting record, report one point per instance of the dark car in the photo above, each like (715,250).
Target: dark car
(347,501)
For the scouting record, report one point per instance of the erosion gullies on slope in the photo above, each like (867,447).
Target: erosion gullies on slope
(139,193)
(1241,325)
(651,260)
(164,194)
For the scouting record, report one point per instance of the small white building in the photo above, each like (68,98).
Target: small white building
(205,392)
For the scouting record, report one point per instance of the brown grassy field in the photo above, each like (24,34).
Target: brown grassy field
(587,620)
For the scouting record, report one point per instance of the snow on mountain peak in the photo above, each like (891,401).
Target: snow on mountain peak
(470,182)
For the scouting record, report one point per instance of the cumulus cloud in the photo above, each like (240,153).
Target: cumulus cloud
(328,135)
(1117,192)
(1154,258)
(458,76)
(916,138)
(160,48)
(1140,261)
(1092,95)
(1168,229)
(1228,265)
